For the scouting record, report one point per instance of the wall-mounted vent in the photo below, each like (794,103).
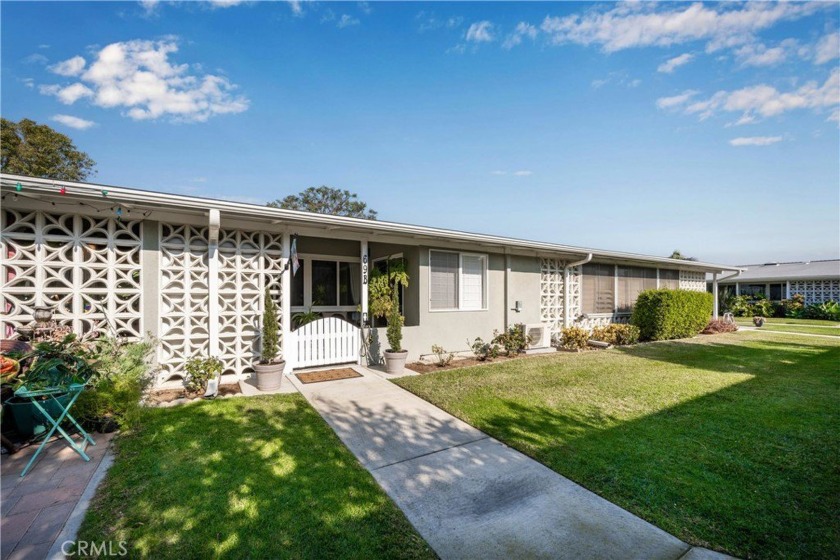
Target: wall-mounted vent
(540,335)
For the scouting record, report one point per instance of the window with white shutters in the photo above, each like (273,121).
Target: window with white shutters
(458,281)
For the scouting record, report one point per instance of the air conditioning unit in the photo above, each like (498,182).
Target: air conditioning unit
(540,334)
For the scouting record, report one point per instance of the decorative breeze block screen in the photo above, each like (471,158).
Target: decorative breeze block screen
(816,291)
(86,267)
(551,293)
(694,281)
(248,262)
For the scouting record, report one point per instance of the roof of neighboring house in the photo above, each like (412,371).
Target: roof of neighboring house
(48,190)
(782,272)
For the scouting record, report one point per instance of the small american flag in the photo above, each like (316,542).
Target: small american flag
(295,262)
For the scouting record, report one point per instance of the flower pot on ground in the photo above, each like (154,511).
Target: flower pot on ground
(395,355)
(269,370)
(758,321)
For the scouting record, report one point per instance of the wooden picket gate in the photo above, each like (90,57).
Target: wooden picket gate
(327,341)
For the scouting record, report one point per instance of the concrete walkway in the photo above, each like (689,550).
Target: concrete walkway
(471,496)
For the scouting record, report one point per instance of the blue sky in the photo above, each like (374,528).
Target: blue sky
(648,127)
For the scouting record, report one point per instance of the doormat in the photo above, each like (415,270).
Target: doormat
(328,375)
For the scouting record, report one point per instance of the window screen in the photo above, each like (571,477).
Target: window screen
(777,291)
(598,288)
(631,281)
(472,282)
(444,280)
(296,289)
(669,279)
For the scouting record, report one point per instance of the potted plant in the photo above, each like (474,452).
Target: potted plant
(395,355)
(758,321)
(269,369)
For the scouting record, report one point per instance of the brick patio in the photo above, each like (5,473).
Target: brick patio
(35,508)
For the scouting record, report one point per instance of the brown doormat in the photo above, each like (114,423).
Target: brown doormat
(328,375)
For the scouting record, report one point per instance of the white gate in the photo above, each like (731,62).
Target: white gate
(327,341)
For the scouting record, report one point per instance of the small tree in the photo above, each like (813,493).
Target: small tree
(270,339)
(29,148)
(326,200)
(395,323)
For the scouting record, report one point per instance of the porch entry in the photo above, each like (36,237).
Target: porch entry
(326,297)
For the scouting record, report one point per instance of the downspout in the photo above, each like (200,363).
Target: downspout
(566,307)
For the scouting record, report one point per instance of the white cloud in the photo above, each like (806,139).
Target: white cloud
(480,32)
(225,3)
(149,6)
(73,122)
(638,24)
(498,172)
(28,82)
(522,30)
(70,67)
(766,101)
(139,77)
(676,100)
(619,78)
(523,173)
(758,54)
(755,140)
(35,58)
(672,64)
(69,94)
(296,7)
(364,7)
(828,48)
(346,21)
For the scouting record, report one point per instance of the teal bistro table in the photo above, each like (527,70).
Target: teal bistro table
(55,411)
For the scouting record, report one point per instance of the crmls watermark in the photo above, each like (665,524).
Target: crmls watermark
(94,548)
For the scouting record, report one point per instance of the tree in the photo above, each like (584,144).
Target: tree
(679,256)
(29,148)
(326,200)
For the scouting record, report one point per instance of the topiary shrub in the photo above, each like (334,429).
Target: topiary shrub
(669,314)
(574,338)
(617,334)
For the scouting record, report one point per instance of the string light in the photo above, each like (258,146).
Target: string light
(104,192)
(62,190)
(18,187)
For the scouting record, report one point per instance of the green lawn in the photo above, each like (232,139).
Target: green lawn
(773,327)
(727,441)
(788,321)
(245,478)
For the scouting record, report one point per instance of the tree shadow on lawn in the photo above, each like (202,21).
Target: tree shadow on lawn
(750,468)
(245,478)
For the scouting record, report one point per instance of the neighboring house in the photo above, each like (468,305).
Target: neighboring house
(192,271)
(816,281)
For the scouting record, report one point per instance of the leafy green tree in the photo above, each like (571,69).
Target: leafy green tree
(326,200)
(29,148)
(679,256)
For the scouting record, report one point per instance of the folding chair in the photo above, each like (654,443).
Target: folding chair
(52,392)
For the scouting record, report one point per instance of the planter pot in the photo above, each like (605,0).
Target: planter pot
(29,421)
(395,361)
(269,376)
(758,321)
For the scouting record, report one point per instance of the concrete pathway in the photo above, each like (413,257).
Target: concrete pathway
(36,508)
(471,496)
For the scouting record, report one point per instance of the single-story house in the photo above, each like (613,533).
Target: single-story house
(816,281)
(192,271)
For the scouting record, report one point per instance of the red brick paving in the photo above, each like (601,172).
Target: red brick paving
(33,509)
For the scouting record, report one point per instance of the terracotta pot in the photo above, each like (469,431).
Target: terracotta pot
(395,361)
(758,321)
(269,376)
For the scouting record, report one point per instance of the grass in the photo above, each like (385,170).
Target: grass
(727,441)
(245,478)
(772,327)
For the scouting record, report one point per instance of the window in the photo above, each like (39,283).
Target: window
(669,279)
(349,283)
(324,283)
(384,266)
(297,282)
(751,289)
(631,281)
(457,281)
(777,292)
(598,288)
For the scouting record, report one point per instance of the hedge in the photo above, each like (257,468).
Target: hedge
(669,314)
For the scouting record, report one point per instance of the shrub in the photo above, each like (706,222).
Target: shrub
(716,326)
(761,308)
(199,371)
(794,306)
(739,306)
(270,338)
(483,350)
(574,338)
(514,340)
(669,314)
(617,334)
(395,323)
(124,374)
(829,310)
(443,357)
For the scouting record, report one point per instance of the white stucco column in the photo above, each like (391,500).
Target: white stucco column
(289,346)
(365,270)
(716,310)
(213,309)
(787,289)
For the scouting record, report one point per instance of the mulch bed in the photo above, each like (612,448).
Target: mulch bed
(423,367)
(328,375)
(169,395)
